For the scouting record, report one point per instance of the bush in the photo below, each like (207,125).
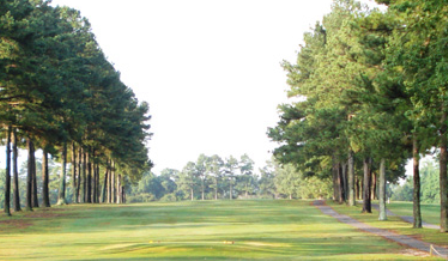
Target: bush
(140,198)
(169,198)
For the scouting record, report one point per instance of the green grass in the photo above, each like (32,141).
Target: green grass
(394,223)
(260,230)
(430,212)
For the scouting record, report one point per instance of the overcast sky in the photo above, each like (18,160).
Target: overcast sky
(210,70)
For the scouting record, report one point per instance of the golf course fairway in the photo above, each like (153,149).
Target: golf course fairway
(199,230)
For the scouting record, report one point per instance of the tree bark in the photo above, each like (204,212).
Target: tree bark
(351,180)
(89,178)
(340,181)
(78,187)
(191,194)
(443,173)
(357,188)
(45,181)
(74,172)
(373,195)
(119,199)
(7,201)
(366,206)
(98,187)
(416,194)
(62,187)
(336,184)
(83,177)
(113,189)
(109,185)
(34,198)
(94,184)
(382,191)
(104,194)
(16,193)
(344,181)
(29,179)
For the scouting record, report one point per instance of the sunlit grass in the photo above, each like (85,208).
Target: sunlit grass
(222,230)
(430,212)
(394,223)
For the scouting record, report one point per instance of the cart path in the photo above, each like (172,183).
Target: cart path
(408,219)
(402,239)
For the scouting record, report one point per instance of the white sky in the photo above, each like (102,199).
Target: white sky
(210,70)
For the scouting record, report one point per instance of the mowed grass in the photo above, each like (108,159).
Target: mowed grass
(209,230)
(396,224)
(430,212)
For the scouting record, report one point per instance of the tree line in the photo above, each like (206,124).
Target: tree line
(215,178)
(59,95)
(370,89)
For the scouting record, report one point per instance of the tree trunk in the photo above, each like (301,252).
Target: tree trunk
(361,189)
(62,186)
(191,194)
(74,171)
(29,179)
(113,189)
(34,198)
(351,180)
(78,187)
(16,193)
(7,201)
(443,174)
(119,199)
(357,188)
(344,181)
(89,178)
(366,206)
(98,194)
(373,195)
(104,194)
(416,194)
(109,185)
(336,184)
(94,186)
(83,177)
(382,191)
(45,180)
(340,180)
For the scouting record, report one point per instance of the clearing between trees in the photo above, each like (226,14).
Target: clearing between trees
(198,230)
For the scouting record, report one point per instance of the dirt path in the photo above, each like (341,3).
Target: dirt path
(404,240)
(408,219)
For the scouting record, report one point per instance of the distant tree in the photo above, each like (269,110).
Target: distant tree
(230,171)
(246,180)
(266,183)
(287,180)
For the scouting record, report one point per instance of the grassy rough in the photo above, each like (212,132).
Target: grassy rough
(222,230)
(396,224)
(430,212)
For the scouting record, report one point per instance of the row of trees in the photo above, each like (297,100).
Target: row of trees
(213,178)
(372,89)
(60,95)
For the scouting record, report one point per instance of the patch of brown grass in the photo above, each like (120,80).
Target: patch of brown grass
(16,223)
